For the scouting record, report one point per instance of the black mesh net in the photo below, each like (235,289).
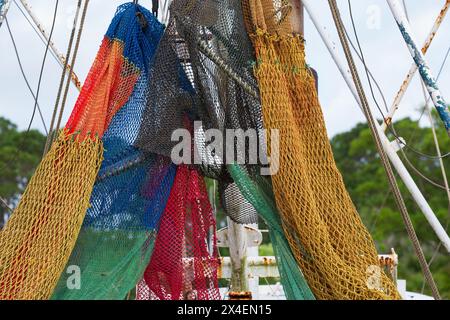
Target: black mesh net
(204,67)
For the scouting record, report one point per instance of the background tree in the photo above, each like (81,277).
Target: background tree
(20,153)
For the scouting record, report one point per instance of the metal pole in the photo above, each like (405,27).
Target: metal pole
(419,59)
(4,6)
(243,241)
(394,158)
(61,58)
(413,69)
(238,255)
(297,17)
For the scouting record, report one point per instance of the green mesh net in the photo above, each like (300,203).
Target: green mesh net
(259,193)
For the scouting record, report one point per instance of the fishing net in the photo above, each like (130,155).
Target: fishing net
(132,187)
(185,260)
(39,238)
(116,240)
(258,192)
(202,36)
(205,42)
(327,237)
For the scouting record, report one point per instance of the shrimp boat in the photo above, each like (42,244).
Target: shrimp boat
(198,140)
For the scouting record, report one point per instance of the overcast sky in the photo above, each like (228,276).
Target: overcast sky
(386,55)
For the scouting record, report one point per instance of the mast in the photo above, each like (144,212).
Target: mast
(390,148)
(413,69)
(422,64)
(61,58)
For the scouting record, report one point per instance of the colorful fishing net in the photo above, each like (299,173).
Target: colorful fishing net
(329,241)
(42,231)
(184,262)
(41,234)
(206,35)
(132,187)
(137,218)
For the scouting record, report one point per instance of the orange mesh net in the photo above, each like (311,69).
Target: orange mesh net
(110,82)
(324,230)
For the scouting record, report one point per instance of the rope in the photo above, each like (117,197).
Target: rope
(75,53)
(25,136)
(386,164)
(51,133)
(204,48)
(24,75)
(5,204)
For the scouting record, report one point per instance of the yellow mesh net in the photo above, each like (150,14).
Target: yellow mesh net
(330,242)
(35,247)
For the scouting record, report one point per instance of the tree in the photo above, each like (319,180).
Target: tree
(20,153)
(364,176)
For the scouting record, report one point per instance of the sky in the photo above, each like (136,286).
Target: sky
(385,51)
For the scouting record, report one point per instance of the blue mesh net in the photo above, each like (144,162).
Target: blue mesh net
(132,187)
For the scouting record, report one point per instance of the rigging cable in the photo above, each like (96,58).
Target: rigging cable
(37,32)
(386,164)
(444,175)
(22,142)
(438,151)
(24,75)
(74,57)
(42,67)
(391,130)
(61,83)
(439,156)
(426,108)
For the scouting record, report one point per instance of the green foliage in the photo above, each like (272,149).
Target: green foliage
(20,153)
(364,176)
(266,250)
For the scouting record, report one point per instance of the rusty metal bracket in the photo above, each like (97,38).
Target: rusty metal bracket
(254,237)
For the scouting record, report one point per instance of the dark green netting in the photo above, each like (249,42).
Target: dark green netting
(258,192)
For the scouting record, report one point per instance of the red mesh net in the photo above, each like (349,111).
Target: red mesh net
(182,266)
